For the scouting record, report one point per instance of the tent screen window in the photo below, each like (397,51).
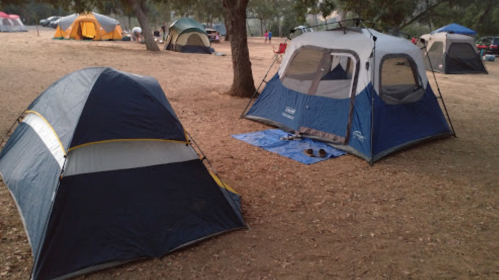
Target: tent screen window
(319,72)
(336,77)
(400,82)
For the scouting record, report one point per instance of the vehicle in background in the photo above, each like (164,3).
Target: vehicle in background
(212,33)
(489,45)
(54,23)
(297,31)
(45,22)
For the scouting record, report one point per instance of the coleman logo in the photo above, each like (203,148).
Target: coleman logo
(358,135)
(289,112)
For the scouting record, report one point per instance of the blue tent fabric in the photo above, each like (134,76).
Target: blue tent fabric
(395,126)
(270,140)
(136,112)
(455,28)
(80,219)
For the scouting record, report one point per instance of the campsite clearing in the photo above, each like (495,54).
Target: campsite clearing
(429,212)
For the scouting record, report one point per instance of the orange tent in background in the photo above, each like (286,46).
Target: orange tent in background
(88,26)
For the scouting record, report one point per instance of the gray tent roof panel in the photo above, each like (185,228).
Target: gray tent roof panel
(109,24)
(65,22)
(62,103)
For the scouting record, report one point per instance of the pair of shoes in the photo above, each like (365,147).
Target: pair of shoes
(287,138)
(310,153)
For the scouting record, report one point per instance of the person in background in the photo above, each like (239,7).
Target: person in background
(266,36)
(217,37)
(137,33)
(270,36)
(163,29)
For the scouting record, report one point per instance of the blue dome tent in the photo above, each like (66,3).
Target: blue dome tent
(102,173)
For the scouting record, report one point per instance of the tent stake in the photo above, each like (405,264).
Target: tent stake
(439,92)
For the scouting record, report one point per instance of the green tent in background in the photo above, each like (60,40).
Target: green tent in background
(188,36)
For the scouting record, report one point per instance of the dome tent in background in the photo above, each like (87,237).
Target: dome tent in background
(366,97)
(11,23)
(102,173)
(188,36)
(88,26)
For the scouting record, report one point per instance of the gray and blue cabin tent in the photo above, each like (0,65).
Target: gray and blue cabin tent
(102,173)
(450,53)
(188,36)
(361,91)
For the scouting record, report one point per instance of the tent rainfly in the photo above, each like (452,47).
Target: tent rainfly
(188,36)
(102,173)
(88,26)
(362,91)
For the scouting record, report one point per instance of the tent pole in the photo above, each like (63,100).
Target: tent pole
(263,80)
(373,54)
(45,226)
(11,127)
(439,92)
(371,161)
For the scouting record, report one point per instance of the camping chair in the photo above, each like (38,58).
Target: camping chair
(280,51)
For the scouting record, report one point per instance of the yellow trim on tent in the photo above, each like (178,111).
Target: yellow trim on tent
(117,140)
(58,139)
(221,184)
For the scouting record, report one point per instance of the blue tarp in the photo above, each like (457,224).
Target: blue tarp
(455,28)
(270,140)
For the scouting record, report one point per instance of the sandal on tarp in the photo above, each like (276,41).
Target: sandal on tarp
(322,153)
(309,152)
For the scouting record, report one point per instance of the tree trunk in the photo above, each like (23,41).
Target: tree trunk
(261,27)
(227,27)
(243,84)
(428,9)
(141,14)
(484,14)
(343,15)
(280,27)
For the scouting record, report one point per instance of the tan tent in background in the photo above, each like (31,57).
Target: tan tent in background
(88,26)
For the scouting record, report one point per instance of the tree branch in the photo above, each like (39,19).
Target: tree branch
(429,9)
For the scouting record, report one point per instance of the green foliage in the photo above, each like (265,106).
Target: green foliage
(31,12)
(411,16)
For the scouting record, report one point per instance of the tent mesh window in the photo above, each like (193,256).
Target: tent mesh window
(302,70)
(336,78)
(399,80)
(436,55)
(462,58)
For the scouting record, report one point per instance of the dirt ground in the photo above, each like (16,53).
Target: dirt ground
(429,212)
